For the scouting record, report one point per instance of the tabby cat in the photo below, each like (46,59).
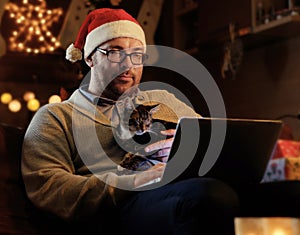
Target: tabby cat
(145,130)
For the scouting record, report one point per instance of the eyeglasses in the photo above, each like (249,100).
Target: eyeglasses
(118,56)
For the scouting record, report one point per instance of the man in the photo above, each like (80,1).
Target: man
(70,154)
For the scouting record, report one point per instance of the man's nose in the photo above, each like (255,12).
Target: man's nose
(126,63)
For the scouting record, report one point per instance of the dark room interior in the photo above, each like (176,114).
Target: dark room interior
(251,49)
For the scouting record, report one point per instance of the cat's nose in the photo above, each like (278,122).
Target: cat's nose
(139,132)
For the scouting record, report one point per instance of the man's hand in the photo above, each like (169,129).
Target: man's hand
(162,154)
(153,173)
(163,146)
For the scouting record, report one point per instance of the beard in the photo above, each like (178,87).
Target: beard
(112,82)
(117,86)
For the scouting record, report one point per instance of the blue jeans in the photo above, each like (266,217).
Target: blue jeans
(195,206)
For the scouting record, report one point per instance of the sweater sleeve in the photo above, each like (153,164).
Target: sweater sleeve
(50,176)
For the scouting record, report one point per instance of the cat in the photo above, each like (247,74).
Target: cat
(144,130)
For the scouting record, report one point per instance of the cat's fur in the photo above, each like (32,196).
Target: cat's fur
(145,130)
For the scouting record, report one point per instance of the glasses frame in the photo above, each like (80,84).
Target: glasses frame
(107,52)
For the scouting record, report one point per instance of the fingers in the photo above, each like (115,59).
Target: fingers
(162,158)
(159,166)
(162,154)
(167,143)
(153,173)
(169,132)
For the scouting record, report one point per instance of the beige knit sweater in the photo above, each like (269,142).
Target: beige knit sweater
(65,166)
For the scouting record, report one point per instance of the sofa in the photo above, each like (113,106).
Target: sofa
(18,216)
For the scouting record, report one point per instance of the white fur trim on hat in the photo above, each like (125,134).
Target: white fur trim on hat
(73,54)
(111,30)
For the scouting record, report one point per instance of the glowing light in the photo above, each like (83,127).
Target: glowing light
(33,22)
(14,106)
(54,99)
(33,105)
(28,95)
(14,45)
(20,45)
(278,232)
(6,98)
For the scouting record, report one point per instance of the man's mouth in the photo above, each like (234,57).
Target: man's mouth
(124,78)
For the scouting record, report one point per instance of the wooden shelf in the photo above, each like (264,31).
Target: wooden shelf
(281,29)
(277,25)
(200,25)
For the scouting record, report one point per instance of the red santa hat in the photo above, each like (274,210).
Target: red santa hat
(102,25)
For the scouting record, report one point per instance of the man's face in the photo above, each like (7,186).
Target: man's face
(116,77)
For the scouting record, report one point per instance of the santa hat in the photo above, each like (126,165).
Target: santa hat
(102,25)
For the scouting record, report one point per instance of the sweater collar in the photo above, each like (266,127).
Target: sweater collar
(102,101)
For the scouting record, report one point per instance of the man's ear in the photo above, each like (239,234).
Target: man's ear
(89,62)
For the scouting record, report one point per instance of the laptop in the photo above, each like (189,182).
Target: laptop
(235,151)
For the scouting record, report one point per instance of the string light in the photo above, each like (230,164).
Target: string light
(29,98)
(14,106)
(6,97)
(33,105)
(33,21)
(28,95)
(54,99)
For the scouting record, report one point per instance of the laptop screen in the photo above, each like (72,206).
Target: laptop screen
(233,150)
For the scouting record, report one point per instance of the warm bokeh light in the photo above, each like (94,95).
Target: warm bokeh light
(6,97)
(34,22)
(33,105)
(278,232)
(267,226)
(54,99)
(28,95)
(14,106)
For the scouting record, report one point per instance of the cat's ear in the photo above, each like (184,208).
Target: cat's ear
(154,108)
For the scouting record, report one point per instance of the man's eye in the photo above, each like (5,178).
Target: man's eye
(115,52)
(137,55)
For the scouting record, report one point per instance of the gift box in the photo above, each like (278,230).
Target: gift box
(286,149)
(287,168)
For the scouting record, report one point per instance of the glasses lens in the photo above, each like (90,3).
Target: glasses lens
(115,56)
(136,58)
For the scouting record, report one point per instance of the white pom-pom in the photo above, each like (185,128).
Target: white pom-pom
(73,54)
